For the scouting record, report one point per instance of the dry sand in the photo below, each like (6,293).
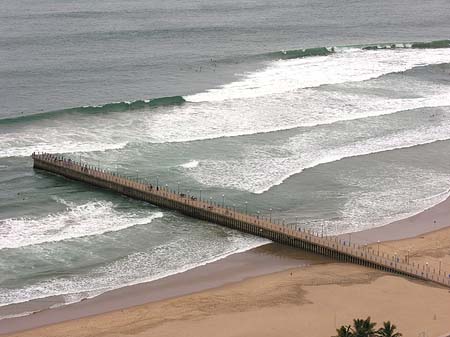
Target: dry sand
(311,302)
(432,249)
(307,301)
(262,260)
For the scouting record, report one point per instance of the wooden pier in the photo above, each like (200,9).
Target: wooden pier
(220,214)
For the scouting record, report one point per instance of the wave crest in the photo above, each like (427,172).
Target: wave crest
(301,53)
(413,45)
(105,108)
(190,164)
(91,218)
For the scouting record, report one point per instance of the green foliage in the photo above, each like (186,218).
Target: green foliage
(344,331)
(366,328)
(388,330)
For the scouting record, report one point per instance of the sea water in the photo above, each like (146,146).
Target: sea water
(265,106)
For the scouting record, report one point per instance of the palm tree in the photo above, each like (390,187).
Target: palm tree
(344,331)
(363,328)
(388,330)
(366,328)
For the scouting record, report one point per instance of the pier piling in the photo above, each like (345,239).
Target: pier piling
(220,214)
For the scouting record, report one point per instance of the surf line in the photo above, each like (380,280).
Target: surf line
(224,215)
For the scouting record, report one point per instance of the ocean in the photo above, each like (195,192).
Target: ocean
(332,116)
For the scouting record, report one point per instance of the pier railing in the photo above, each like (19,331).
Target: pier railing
(222,214)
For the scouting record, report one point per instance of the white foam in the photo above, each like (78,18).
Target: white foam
(190,164)
(306,108)
(268,100)
(265,166)
(78,220)
(378,199)
(25,150)
(22,314)
(346,65)
(161,261)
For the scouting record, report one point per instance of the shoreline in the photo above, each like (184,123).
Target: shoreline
(430,220)
(312,301)
(236,268)
(263,260)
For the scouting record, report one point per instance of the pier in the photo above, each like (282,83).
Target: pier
(202,209)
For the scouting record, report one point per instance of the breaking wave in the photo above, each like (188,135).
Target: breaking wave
(414,45)
(301,53)
(105,108)
(91,218)
(293,54)
(190,164)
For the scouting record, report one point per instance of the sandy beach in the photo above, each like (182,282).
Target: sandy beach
(263,260)
(294,294)
(224,168)
(307,302)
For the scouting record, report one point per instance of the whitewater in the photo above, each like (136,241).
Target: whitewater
(230,110)
(330,137)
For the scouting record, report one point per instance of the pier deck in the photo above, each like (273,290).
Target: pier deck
(220,214)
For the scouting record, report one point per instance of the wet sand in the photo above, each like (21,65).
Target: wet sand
(432,219)
(271,291)
(262,260)
(310,302)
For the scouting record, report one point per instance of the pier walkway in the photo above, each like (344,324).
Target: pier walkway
(332,247)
